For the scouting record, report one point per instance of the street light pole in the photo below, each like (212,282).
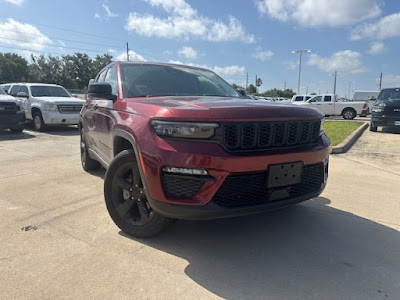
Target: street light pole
(334,82)
(300,52)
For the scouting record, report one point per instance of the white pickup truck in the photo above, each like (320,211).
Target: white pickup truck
(329,105)
(47,104)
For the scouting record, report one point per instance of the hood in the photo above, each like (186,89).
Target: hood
(222,108)
(57,100)
(392,103)
(8,98)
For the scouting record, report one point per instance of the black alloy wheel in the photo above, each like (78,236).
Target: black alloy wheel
(126,199)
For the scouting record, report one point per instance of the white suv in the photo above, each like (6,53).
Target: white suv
(47,104)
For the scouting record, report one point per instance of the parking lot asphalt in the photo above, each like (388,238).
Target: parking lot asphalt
(58,242)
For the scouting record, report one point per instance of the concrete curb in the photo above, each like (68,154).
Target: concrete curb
(345,146)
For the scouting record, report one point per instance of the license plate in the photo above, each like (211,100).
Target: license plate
(397,123)
(284,174)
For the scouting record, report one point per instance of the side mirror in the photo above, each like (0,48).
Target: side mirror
(74,95)
(242,92)
(22,95)
(372,98)
(101,90)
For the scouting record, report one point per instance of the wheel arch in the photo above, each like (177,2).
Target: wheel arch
(348,108)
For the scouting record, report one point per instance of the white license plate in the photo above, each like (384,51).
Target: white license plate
(397,123)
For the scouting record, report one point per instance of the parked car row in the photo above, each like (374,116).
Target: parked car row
(44,104)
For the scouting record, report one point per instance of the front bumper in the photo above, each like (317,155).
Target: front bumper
(15,121)
(57,118)
(379,119)
(157,153)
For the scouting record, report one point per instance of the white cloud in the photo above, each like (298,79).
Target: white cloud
(320,13)
(133,56)
(343,61)
(109,13)
(389,80)
(262,55)
(290,65)
(61,43)
(188,52)
(97,16)
(376,48)
(384,28)
(23,35)
(16,2)
(184,22)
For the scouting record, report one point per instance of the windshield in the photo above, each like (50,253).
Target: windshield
(161,80)
(49,91)
(387,94)
(2,92)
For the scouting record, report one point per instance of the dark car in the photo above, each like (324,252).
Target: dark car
(178,142)
(386,110)
(12,115)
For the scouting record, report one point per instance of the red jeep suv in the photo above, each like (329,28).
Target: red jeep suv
(178,142)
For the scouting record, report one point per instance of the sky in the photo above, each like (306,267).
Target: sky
(239,40)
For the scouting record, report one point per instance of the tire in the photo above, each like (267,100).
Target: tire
(126,200)
(38,123)
(373,128)
(349,114)
(17,130)
(88,163)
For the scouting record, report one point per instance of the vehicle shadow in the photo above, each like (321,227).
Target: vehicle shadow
(308,251)
(8,135)
(69,130)
(390,130)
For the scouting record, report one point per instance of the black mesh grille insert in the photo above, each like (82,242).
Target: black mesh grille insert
(269,135)
(239,190)
(7,108)
(185,186)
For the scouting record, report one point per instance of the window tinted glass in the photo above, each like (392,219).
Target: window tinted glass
(317,99)
(327,99)
(2,92)
(5,88)
(14,90)
(24,89)
(48,91)
(387,94)
(111,78)
(308,97)
(159,80)
(298,98)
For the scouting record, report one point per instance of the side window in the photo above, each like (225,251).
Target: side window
(327,99)
(14,90)
(111,78)
(316,99)
(308,97)
(101,76)
(298,98)
(24,89)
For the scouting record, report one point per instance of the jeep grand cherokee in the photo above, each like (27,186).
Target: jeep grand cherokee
(178,142)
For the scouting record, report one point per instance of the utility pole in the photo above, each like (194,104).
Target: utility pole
(256,85)
(307,90)
(300,52)
(380,82)
(127,51)
(284,86)
(247,80)
(334,82)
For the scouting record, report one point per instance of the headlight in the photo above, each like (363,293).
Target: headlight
(321,127)
(51,107)
(184,129)
(378,107)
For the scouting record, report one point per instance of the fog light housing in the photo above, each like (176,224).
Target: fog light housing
(185,171)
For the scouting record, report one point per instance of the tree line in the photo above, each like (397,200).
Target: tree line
(252,89)
(71,71)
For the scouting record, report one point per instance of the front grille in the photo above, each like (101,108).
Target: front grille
(182,186)
(8,108)
(269,135)
(240,190)
(69,109)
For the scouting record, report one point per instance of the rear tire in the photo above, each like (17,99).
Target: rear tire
(349,114)
(126,200)
(88,163)
(38,123)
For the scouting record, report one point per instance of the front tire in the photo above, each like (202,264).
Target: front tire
(126,200)
(373,128)
(349,114)
(88,164)
(38,122)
